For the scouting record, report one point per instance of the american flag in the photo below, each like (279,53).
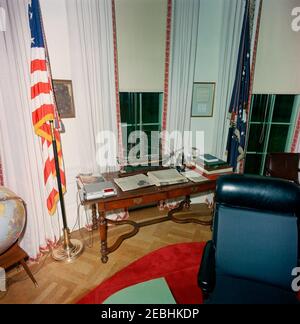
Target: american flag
(43,106)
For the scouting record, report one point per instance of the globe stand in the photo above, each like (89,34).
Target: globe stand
(69,250)
(16,255)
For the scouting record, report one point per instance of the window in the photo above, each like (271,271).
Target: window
(141,112)
(271,127)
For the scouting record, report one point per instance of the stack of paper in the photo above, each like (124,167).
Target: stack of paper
(166,177)
(211,165)
(194,176)
(134,182)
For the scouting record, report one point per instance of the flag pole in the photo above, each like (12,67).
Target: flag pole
(70,249)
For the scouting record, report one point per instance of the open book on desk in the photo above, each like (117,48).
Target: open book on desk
(133,182)
(166,177)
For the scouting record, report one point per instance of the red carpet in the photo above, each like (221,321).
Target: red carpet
(178,264)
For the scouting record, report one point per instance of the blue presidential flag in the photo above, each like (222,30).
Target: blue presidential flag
(239,101)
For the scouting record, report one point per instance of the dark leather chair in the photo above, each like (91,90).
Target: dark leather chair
(255,242)
(283,165)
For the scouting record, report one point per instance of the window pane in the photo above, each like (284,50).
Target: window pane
(153,143)
(253,163)
(260,108)
(125,107)
(148,104)
(256,138)
(278,138)
(130,107)
(283,108)
(150,107)
(129,131)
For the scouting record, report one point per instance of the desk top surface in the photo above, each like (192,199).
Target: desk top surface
(204,186)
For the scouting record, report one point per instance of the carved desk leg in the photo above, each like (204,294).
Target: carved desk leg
(94,217)
(103,236)
(187,203)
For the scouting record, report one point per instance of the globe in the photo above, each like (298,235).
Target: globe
(12,218)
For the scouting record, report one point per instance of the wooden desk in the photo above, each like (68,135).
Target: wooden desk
(142,197)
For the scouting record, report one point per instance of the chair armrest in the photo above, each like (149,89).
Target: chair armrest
(207,271)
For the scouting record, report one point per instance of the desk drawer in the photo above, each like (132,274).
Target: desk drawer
(182,192)
(134,202)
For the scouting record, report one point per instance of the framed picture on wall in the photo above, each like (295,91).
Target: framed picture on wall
(203,99)
(64,98)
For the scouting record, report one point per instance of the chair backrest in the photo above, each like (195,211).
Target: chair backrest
(283,165)
(255,229)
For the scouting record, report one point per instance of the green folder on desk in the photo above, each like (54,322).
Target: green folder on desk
(152,292)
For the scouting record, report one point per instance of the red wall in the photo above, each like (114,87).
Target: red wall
(1,175)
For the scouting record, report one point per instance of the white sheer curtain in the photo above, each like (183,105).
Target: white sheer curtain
(92,65)
(182,65)
(93,74)
(231,32)
(20,147)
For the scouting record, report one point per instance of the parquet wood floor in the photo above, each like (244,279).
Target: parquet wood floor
(66,283)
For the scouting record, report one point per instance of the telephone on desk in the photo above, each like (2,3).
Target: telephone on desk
(94,187)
